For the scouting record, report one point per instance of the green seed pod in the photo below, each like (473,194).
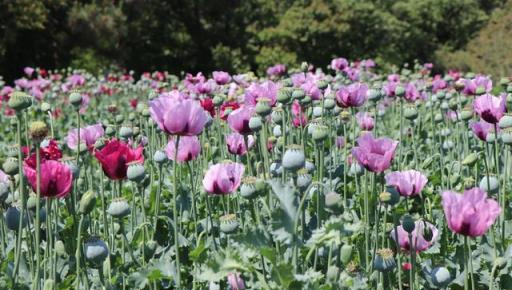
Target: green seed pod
(277,115)
(384,260)
(96,251)
(218,100)
(506,136)
(87,203)
(10,166)
(333,201)
(284,95)
(329,104)
(255,123)
(399,91)
(19,101)
(333,273)
(263,107)
(119,119)
(320,133)
(249,188)
(304,179)
(228,224)
(110,131)
(119,208)
(149,250)
(298,94)
(12,218)
(346,253)
(294,158)
(306,100)
(45,107)
(505,122)
(490,184)
(160,157)
(125,132)
(466,115)
(136,172)
(132,117)
(75,98)
(480,91)
(440,276)
(408,223)
(38,131)
(470,160)
(410,113)
(390,196)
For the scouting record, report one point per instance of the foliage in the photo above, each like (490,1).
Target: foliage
(232,35)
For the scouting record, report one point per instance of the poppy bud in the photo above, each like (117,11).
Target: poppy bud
(87,202)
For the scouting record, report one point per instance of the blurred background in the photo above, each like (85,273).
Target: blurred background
(242,35)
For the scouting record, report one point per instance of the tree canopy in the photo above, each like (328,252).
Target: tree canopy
(202,35)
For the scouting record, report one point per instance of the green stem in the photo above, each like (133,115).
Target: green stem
(175,212)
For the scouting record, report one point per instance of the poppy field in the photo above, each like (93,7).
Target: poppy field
(343,177)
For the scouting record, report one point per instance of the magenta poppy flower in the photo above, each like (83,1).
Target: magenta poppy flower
(55,178)
(204,87)
(299,116)
(88,136)
(471,213)
(411,93)
(419,242)
(374,154)
(438,84)
(311,89)
(236,143)
(353,95)
(238,120)
(189,148)
(221,77)
(482,82)
(116,156)
(490,108)
(223,178)
(276,70)
(235,281)
(481,129)
(178,116)
(267,90)
(407,183)
(340,142)
(4,178)
(339,64)
(365,121)
(28,71)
